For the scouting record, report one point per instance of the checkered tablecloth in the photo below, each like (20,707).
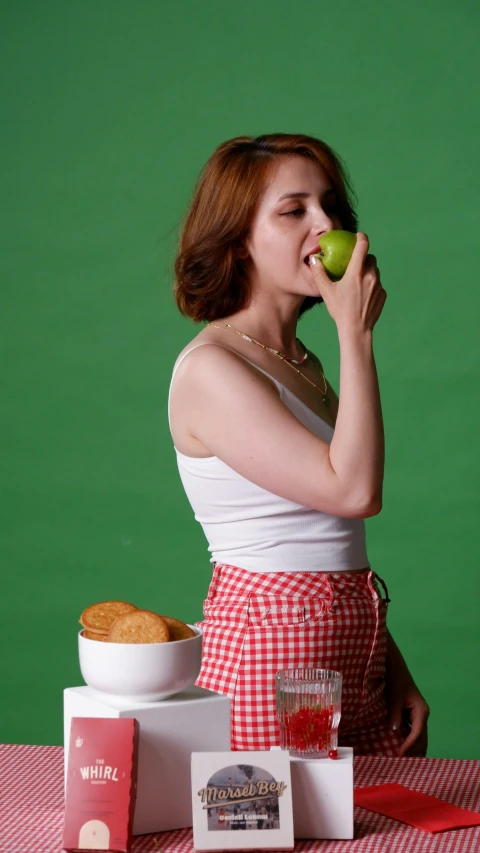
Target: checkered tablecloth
(31,806)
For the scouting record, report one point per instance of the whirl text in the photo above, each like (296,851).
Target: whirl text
(99,770)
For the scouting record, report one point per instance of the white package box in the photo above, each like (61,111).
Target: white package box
(322,792)
(195,720)
(242,790)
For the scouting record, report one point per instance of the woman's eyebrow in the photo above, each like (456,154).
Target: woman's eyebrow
(301,194)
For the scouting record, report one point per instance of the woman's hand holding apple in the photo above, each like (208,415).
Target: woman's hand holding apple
(355,301)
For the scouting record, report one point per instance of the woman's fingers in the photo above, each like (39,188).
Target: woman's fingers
(360,253)
(370,264)
(381,298)
(357,299)
(414,744)
(417,739)
(320,275)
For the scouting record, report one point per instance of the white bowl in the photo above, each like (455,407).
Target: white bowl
(141,672)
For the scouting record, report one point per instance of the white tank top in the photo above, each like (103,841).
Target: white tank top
(253,529)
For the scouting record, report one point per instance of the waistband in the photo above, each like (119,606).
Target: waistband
(238,584)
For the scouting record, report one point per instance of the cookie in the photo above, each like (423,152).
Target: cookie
(139,626)
(95,635)
(94,631)
(178,630)
(100,617)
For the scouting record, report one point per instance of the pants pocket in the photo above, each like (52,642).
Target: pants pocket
(375,670)
(270,611)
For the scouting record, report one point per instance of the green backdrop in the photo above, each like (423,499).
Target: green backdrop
(109,110)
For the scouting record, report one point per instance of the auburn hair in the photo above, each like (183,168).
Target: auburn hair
(211,279)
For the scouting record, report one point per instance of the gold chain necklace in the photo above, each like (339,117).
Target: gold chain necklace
(286,359)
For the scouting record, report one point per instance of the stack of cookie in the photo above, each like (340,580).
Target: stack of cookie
(122,622)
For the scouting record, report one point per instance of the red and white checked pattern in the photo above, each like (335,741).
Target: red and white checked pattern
(31,806)
(257,624)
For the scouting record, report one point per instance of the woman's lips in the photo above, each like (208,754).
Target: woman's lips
(313,251)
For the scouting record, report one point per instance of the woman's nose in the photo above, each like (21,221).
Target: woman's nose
(323,223)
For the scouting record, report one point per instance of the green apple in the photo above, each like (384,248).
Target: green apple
(336,249)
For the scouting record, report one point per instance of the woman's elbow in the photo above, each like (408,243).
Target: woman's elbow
(366,506)
(374,507)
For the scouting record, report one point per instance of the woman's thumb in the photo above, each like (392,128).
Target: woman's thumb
(320,275)
(395,715)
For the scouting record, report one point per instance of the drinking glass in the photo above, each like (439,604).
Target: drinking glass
(308,710)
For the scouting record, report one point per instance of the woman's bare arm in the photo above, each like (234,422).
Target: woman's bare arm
(236,412)
(358,443)
(355,303)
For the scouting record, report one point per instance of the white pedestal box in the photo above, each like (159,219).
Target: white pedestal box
(195,720)
(322,793)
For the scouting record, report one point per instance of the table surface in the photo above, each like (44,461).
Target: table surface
(31,806)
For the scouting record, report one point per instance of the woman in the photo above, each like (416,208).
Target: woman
(280,472)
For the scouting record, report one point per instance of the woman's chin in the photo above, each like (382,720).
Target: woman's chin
(308,284)
(311,290)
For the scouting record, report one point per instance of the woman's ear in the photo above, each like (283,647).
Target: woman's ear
(242,253)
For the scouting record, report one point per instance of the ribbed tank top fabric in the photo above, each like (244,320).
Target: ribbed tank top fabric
(251,528)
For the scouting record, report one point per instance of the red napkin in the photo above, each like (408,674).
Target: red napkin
(411,807)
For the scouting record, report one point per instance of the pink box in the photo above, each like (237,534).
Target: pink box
(101,784)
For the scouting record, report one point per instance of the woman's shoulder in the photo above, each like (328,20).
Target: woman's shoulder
(196,346)
(213,354)
(211,380)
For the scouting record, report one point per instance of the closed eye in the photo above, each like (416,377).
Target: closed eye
(330,208)
(298,210)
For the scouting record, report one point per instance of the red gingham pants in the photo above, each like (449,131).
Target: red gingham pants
(258,623)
